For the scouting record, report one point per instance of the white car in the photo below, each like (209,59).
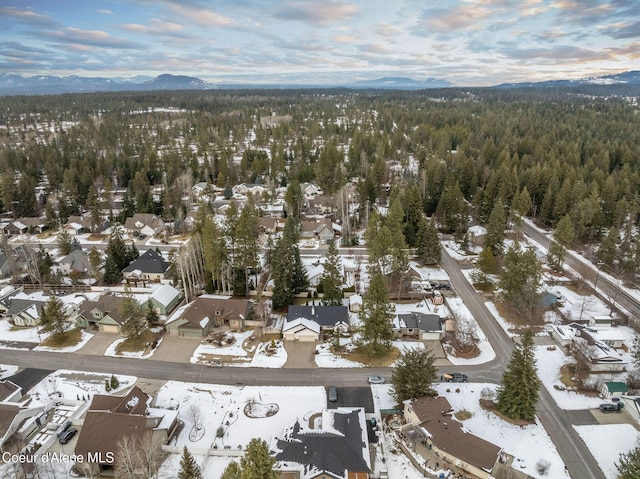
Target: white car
(375,380)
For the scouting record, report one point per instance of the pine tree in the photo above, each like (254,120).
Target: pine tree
(413,375)
(189,469)
(133,314)
(332,277)
(562,238)
(429,250)
(520,282)
(257,462)
(376,316)
(520,386)
(496,228)
(64,242)
(114,383)
(487,261)
(608,251)
(232,471)
(628,465)
(151,315)
(53,318)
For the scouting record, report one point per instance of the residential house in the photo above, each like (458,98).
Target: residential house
(327,317)
(421,326)
(599,356)
(309,190)
(632,407)
(25,312)
(165,299)
(31,225)
(477,235)
(16,416)
(267,225)
(301,329)
(105,314)
(208,311)
(110,419)
(432,419)
(6,293)
(321,205)
(338,449)
(321,230)
(245,189)
(355,303)
(144,224)
(613,389)
(150,266)
(75,262)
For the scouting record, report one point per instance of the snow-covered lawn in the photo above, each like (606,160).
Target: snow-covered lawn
(273,359)
(326,359)
(7,370)
(607,441)
(529,444)
(504,324)
(75,384)
(111,351)
(549,364)
(10,333)
(462,313)
(69,349)
(235,349)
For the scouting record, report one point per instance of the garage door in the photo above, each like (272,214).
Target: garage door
(108,328)
(306,337)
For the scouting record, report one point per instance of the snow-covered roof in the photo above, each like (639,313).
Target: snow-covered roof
(165,294)
(307,323)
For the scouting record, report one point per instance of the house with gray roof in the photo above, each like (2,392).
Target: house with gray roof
(150,266)
(421,326)
(105,314)
(25,312)
(327,317)
(165,299)
(144,224)
(338,449)
(75,262)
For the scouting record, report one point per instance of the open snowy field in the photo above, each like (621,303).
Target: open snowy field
(607,441)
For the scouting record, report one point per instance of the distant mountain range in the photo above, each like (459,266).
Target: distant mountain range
(13,84)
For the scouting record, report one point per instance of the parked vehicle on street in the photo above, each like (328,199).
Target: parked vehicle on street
(455,378)
(333,394)
(375,380)
(609,407)
(67,435)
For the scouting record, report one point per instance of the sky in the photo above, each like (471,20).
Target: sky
(467,42)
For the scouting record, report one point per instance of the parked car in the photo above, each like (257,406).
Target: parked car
(66,436)
(64,428)
(455,377)
(214,363)
(333,394)
(375,380)
(609,407)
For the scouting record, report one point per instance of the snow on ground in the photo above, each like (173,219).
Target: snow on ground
(219,405)
(326,359)
(457,253)
(504,324)
(212,467)
(429,273)
(234,349)
(263,359)
(422,306)
(73,384)
(111,351)
(549,364)
(529,444)
(69,349)
(462,313)
(607,441)
(408,345)
(11,333)
(7,370)
(574,306)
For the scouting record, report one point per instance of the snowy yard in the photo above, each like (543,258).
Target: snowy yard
(142,354)
(607,441)
(234,349)
(69,349)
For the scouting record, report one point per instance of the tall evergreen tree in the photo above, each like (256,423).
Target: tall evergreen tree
(520,282)
(562,239)
(608,250)
(134,316)
(52,317)
(257,462)
(189,469)
(118,257)
(376,316)
(452,209)
(232,471)
(332,277)
(496,228)
(628,465)
(64,242)
(520,386)
(429,250)
(413,375)
(151,315)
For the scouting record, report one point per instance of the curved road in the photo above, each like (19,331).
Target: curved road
(558,423)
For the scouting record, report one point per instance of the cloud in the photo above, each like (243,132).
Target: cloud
(317,12)
(156,27)
(450,20)
(27,16)
(622,30)
(203,17)
(386,31)
(567,54)
(104,11)
(85,38)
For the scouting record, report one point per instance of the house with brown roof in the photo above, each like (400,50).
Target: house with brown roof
(144,224)
(432,419)
(321,230)
(105,314)
(110,419)
(16,416)
(197,318)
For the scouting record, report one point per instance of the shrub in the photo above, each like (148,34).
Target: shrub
(543,466)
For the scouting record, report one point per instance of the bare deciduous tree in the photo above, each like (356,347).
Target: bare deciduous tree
(193,414)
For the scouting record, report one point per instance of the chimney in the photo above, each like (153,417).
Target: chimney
(313,309)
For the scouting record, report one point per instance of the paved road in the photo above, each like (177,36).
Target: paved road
(611,290)
(558,423)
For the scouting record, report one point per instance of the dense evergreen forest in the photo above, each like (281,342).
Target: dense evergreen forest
(456,154)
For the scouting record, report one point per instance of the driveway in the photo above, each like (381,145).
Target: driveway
(176,349)
(99,343)
(300,355)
